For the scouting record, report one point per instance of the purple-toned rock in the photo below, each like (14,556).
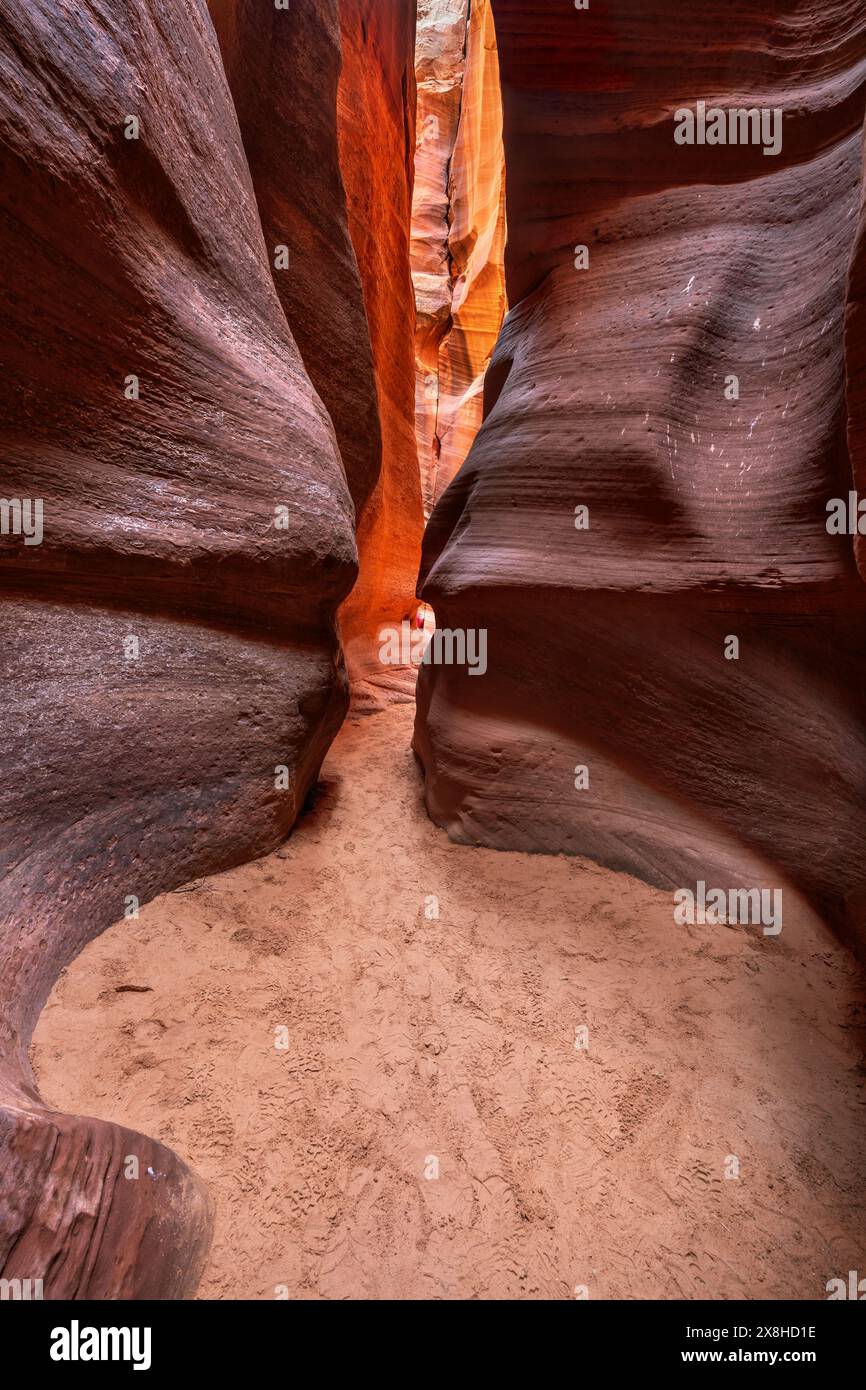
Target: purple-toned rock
(676,642)
(170,670)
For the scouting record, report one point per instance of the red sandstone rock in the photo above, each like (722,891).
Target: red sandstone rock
(283,68)
(134,765)
(360,370)
(855,363)
(376,127)
(706,514)
(476,247)
(439,67)
(458,230)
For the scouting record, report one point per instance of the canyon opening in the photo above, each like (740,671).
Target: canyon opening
(433,653)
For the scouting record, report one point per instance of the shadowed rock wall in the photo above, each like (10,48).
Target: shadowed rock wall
(170,643)
(283,69)
(705,512)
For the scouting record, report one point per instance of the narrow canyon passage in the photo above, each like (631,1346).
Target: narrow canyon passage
(329,973)
(418,1045)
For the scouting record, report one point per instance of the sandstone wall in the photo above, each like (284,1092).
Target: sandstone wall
(168,644)
(376,109)
(283,69)
(458,230)
(333,185)
(707,514)
(439,69)
(855,363)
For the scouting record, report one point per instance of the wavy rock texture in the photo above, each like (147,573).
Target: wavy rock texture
(376,111)
(855,361)
(458,230)
(440,52)
(283,69)
(167,646)
(303,164)
(706,515)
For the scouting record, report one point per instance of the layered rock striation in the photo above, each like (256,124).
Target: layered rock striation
(283,69)
(376,123)
(458,230)
(675,670)
(170,669)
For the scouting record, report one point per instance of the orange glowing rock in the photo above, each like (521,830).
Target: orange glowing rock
(458,230)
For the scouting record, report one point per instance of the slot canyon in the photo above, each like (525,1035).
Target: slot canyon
(433,649)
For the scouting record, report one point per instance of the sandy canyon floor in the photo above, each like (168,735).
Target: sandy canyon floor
(414,1045)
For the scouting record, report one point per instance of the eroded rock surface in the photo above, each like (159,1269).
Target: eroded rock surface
(458,230)
(283,68)
(170,643)
(608,630)
(376,122)
(855,361)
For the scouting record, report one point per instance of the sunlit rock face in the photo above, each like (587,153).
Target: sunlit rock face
(458,230)
(334,192)
(376,115)
(664,428)
(439,68)
(171,677)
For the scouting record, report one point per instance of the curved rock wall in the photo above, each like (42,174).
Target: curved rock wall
(855,362)
(626,510)
(171,676)
(376,116)
(283,68)
(334,188)
(440,56)
(458,230)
